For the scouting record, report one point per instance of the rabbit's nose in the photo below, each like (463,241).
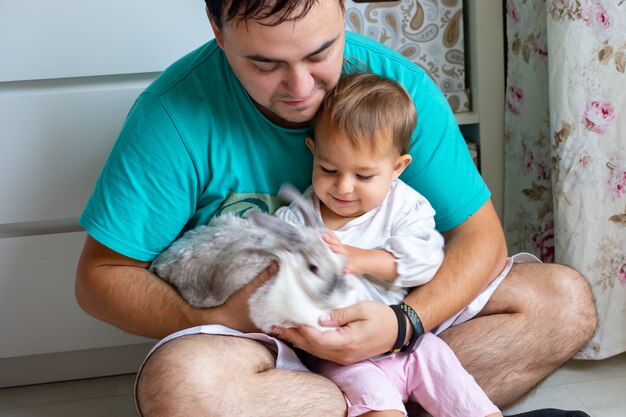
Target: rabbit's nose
(340,283)
(336,284)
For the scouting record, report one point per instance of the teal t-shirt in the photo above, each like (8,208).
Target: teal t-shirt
(194,145)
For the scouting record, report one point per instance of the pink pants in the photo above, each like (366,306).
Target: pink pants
(431,376)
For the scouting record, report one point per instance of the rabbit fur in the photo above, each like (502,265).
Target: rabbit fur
(209,263)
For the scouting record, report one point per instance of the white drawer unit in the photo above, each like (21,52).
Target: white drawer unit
(45,335)
(69,73)
(55,139)
(38,311)
(77,38)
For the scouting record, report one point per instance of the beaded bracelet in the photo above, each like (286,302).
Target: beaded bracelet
(418,328)
(401,317)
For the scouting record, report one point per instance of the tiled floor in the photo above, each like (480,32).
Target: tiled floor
(100,397)
(596,387)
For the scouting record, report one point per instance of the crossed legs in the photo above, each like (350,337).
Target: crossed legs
(215,376)
(539,317)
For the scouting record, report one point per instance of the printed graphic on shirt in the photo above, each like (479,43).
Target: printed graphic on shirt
(241,204)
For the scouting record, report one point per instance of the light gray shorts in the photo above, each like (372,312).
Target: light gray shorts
(285,356)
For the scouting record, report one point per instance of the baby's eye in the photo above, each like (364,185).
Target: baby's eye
(328,171)
(364,177)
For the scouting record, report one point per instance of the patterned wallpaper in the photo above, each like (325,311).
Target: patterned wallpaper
(428,32)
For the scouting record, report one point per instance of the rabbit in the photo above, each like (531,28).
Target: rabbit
(209,263)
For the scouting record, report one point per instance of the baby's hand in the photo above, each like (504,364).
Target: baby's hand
(377,263)
(336,246)
(333,242)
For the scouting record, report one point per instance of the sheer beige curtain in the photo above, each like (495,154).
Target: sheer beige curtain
(565,151)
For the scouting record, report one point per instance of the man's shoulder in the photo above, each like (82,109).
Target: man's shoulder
(379,58)
(357,42)
(193,88)
(191,65)
(365,54)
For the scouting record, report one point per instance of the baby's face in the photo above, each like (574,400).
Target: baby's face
(348,180)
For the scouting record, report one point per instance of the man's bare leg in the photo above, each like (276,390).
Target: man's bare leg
(537,319)
(208,375)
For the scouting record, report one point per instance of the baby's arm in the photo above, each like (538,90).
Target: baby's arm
(416,245)
(408,257)
(378,263)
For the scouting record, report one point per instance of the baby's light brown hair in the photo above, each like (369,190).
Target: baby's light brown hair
(364,105)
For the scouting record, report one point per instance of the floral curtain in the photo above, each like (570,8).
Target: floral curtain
(565,147)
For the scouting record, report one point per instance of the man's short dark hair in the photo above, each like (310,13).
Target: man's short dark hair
(243,10)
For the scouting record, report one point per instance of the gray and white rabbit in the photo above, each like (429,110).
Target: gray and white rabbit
(209,263)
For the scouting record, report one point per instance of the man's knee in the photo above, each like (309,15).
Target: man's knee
(557,302)
(573,299)
(197,372)
(218,376)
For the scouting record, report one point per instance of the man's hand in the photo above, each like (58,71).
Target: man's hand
(364,330)
(234,313)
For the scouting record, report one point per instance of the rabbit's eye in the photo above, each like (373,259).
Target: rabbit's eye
(313,268)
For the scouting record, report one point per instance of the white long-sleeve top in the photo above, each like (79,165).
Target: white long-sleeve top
(404,225)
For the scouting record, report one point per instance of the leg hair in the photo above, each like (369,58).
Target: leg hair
(209,375)
(537,319)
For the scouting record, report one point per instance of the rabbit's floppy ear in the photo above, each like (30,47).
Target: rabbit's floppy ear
(277,227)
(291,194)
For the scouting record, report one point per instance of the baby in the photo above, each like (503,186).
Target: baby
(387,232)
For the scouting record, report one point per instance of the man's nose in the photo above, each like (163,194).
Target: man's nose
(300,82)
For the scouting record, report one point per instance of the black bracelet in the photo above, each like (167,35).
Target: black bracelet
(418,328)
(401,329)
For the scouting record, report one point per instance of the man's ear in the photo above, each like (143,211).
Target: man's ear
(310,144)
(216,30)
(401,163)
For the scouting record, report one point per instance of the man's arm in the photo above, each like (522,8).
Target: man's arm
(475,253)
(121,291)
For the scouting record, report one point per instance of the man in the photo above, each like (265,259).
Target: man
(219,131)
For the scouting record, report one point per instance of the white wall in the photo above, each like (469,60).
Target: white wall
(69,72)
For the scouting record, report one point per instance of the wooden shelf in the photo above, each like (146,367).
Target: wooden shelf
(485,59)
(467,118)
